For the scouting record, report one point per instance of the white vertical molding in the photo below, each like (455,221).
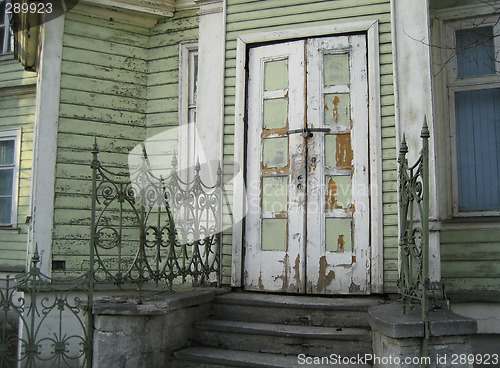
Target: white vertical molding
(375,158)
(45,139)
(210,104)
(414,94)
(239,160)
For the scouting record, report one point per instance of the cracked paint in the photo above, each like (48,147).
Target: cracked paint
(324,279)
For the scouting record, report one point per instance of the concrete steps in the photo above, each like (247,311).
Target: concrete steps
(203,357)
(266,330)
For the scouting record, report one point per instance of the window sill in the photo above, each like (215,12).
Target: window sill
(466,223)
(9,230)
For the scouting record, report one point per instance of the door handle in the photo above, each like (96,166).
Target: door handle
(308,132)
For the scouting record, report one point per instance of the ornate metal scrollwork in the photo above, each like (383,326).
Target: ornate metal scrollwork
(149,229)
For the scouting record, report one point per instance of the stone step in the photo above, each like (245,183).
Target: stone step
(294,310)
(204,357)
(284,339)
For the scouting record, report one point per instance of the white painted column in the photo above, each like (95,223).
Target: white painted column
(210,104)
(45,140)
(413,88)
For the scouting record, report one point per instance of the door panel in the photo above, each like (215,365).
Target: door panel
(307,167)
(276,209)
(337,178)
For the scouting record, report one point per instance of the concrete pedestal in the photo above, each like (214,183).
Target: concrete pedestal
(397,337)
(132,335)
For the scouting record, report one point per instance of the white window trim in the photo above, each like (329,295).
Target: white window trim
(186,154)
(454,84)
(14,134)
(375,136)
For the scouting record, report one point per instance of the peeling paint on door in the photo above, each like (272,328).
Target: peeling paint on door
(301,236)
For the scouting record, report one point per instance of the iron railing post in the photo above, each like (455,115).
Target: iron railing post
(414,196)
(425,237)
(91,280)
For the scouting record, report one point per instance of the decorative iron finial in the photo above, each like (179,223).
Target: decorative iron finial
(197,167)
(95,148)
(174,161)
(144,152)
(425,129)
(219,174)
(404,147)
(35,259)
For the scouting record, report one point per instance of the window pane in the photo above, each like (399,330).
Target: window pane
(6,178)
(5,210)
(475,52)
(478,149)
(2,11)
(7,152)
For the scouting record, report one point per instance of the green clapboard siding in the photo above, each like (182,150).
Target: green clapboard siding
(119,83)
(18,111)
(103,95)
(470,262)
(245,17)
(163,69)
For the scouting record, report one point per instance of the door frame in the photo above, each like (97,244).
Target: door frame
(374,123)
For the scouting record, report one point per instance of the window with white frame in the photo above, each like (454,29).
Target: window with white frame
(6,36)
(9,168)
(188,90)
(474,110)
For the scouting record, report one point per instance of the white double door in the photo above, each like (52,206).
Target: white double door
(307,173)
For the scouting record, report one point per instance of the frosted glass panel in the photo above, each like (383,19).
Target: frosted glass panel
(338,235)
(275,194)
(276,75)
(336,69)
(275,113)
(274,234)
(338,192)
(275,152)
(337,109)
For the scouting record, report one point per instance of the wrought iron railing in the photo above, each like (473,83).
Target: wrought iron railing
(146,231)
(45,322)
(414,230)
(151,230)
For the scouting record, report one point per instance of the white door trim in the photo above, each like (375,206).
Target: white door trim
(375,147)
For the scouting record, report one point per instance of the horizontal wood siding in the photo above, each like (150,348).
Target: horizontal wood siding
(245,17)
(12,73)
(470,263)
(163,69)
(18,111)
(103,95)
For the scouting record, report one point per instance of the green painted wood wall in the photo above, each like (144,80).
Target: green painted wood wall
(17,111)
(470,264)
(119,83)
(103,95)
(247,16)
(163,69)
